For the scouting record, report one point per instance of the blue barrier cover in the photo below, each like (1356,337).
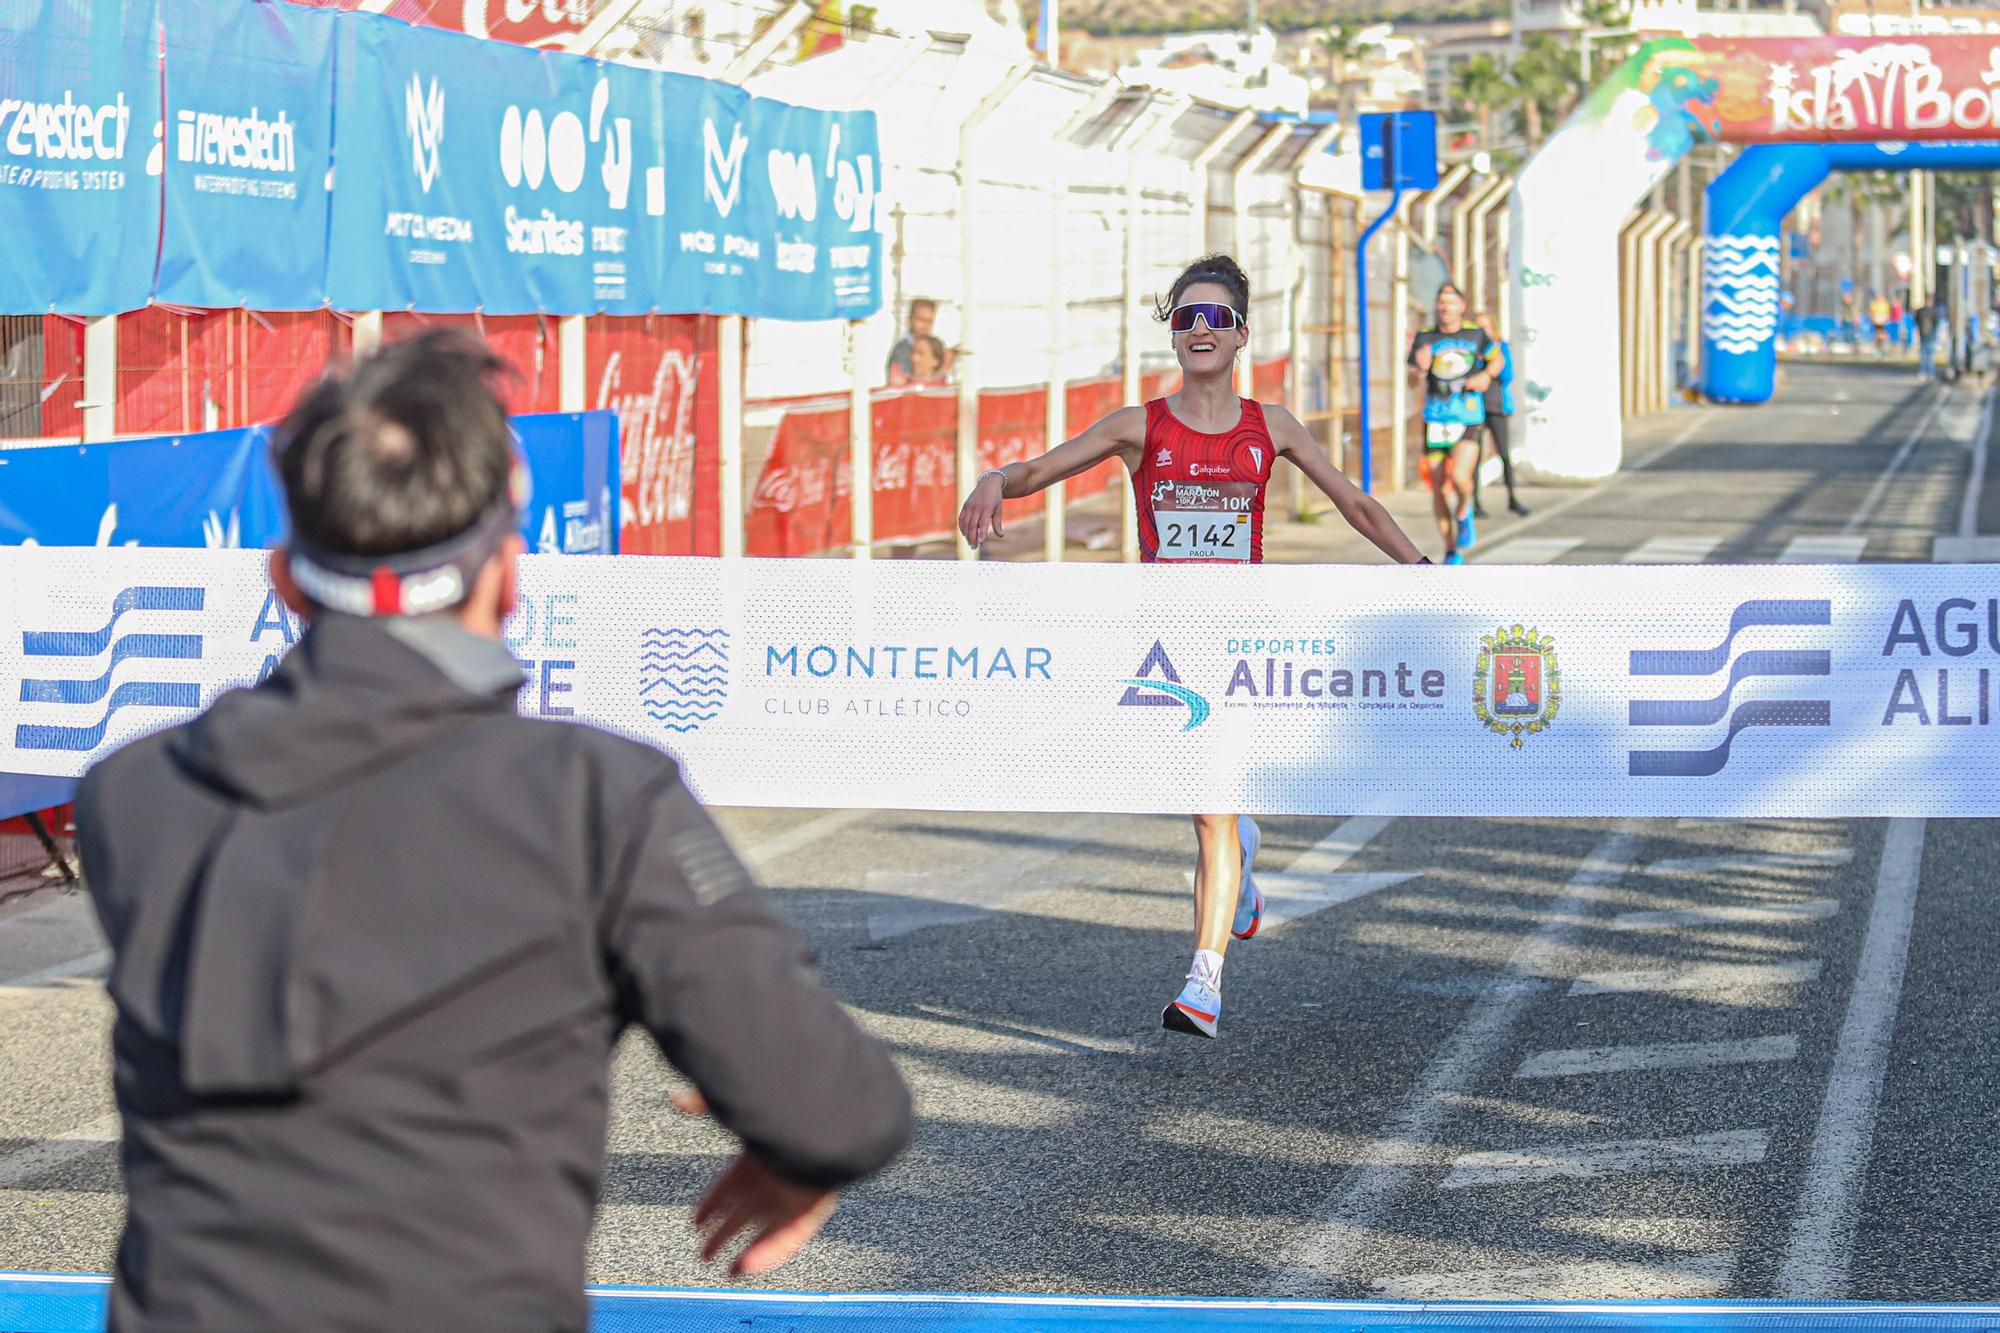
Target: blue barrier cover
(572,460)
(79,211)
(208,489)
(217,489)
(76,1303)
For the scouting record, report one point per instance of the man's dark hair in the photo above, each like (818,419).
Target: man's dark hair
(399,450)
(923,303)
(1219,269)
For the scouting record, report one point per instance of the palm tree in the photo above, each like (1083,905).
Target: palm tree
(1482,84)
(1546,84)
(1344,47)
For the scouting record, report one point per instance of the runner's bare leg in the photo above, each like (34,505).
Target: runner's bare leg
(1218,879)
(1442,507)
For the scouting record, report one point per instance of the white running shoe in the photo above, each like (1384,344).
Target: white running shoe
(1200,1003)
(1250,902)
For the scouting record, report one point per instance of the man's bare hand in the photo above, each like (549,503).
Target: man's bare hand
(778,1216)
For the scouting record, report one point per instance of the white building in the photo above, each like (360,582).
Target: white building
(1226,68)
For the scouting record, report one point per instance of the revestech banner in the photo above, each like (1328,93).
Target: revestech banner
(248,151)
(1775,691)
(79,193)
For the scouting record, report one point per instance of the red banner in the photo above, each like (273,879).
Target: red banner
(552,23)
(1834,89)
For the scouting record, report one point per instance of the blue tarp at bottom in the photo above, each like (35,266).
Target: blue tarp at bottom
(74,1303)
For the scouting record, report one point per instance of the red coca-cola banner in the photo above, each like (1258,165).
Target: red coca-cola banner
(658,372)
(801,502)
(1832,89)
(552,23)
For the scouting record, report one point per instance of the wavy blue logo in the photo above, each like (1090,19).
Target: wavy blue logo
(1164,690)
(100,652)
(1707,762)
(683,676)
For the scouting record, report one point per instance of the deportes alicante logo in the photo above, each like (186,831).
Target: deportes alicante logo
(683,676)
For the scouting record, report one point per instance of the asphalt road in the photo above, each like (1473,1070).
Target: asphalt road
(1543,1059)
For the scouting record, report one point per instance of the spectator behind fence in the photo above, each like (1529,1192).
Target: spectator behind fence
(928,358)
(375,935)
(902,367)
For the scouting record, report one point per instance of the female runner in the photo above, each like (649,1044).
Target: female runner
(1203,432)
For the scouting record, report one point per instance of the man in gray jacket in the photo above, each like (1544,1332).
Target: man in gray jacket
(375,935)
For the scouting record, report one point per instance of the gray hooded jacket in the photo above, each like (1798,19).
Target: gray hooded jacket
(375,936)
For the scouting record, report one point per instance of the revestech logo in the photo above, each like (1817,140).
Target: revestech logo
(72,707)
(65,131)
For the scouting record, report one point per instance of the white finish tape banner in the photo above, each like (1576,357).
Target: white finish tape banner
(1757,690)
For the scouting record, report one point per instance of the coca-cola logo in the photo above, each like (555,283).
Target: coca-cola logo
(529,22)
(656,462)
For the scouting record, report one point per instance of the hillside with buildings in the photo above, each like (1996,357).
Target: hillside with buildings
(1115,17)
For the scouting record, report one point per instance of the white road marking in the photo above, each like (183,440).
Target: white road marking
(1841,550)
(1707,976)
(1965,550)
(1822,1243)
(1667,1055)
(1345,1225)
(952,898)
(1688,1278)
(1312,882)
(778,845)
(1975,481)
(1589,1161)
(1728,914)
(25,1164)
(1531,551)
(1728,861)
(1672,551)
(91,965)
(1860,517)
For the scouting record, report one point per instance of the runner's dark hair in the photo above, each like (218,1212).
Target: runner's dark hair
(1216,268)
(399,450)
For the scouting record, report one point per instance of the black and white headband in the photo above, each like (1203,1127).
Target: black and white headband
(408,583)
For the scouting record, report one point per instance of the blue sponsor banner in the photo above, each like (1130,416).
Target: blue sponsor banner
(248,146)
(813,186)
(514,181)
(411,228)
(79,102)
(572,460)
(208,489)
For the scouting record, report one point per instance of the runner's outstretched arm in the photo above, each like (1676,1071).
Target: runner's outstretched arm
(1363,512)
(1124,430)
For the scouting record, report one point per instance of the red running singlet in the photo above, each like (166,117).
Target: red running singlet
(1201,495)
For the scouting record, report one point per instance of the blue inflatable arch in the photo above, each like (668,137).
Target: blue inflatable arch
(1746,207)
